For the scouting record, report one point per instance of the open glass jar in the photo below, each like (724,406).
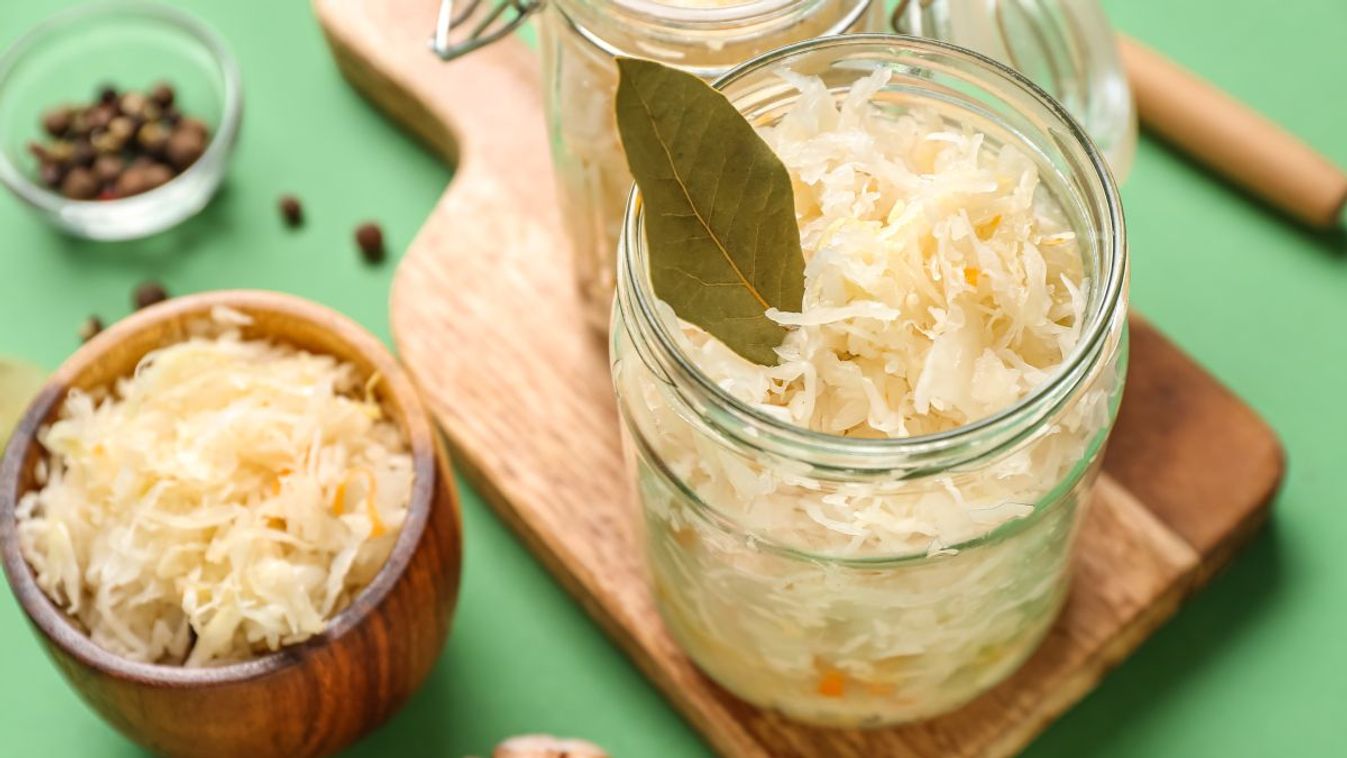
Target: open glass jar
(581,38)
(1067,47)
(851,637)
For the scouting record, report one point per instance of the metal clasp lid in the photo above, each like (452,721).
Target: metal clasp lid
(506,16)
(501,20)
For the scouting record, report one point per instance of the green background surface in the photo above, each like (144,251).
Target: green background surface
(1256,665)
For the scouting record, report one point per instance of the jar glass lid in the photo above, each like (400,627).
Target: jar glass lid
(1067,47)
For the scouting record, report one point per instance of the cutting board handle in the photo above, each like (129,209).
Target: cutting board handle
(477,112)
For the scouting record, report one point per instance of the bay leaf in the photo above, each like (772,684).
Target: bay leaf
(719,208)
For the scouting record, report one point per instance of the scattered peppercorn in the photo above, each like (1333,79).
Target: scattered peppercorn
(124,143)
(370,238)
(291,210)
(91,326)
(149,293)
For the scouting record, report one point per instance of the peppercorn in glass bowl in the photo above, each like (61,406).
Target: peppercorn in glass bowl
(164,77)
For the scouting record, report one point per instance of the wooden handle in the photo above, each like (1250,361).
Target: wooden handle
(1233,140)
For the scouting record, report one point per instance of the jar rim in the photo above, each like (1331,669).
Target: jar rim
(696,16)
(698,25)
(763,428)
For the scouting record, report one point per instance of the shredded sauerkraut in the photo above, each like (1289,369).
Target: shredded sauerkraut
(943,284)
(225,500)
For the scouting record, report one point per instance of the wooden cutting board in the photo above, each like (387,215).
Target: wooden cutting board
(487,320)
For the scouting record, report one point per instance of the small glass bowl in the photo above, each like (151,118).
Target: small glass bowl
(126,44)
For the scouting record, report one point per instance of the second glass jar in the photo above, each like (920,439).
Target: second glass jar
(580,40)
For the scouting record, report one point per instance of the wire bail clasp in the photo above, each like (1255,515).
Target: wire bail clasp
(501,20)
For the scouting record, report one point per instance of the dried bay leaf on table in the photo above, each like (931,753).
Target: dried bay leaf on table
(720,223)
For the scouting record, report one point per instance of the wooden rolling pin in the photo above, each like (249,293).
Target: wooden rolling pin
(1233,140)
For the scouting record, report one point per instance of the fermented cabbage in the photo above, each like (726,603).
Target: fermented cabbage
(226,499)
(943,284)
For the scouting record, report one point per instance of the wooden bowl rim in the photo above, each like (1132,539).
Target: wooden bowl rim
(62,631)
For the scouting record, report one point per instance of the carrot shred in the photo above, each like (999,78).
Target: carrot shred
(377,526)
(832,683)
(277,479)
(971,274)
(987,228)
(339,498)
(371,497)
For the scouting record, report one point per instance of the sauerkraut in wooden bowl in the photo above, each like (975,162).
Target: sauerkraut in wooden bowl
(231,523)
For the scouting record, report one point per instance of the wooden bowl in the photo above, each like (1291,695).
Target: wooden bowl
(309,699)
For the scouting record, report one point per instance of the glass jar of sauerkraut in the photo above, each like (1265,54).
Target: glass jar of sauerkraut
(874,576)
(579,41)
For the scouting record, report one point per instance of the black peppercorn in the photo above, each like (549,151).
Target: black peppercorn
(82,153)
(291,210)
(157,175)
(106,143)
(91,327)
(56,121)
(99,116)
(370,238)
(127,141)
(162,94)
(149,293)
(193,124)
(107,168)
(184,147)
(80,184)
(153,138)
(59,152)
(124,127)
(133,104)
(51,174)
(142,175)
